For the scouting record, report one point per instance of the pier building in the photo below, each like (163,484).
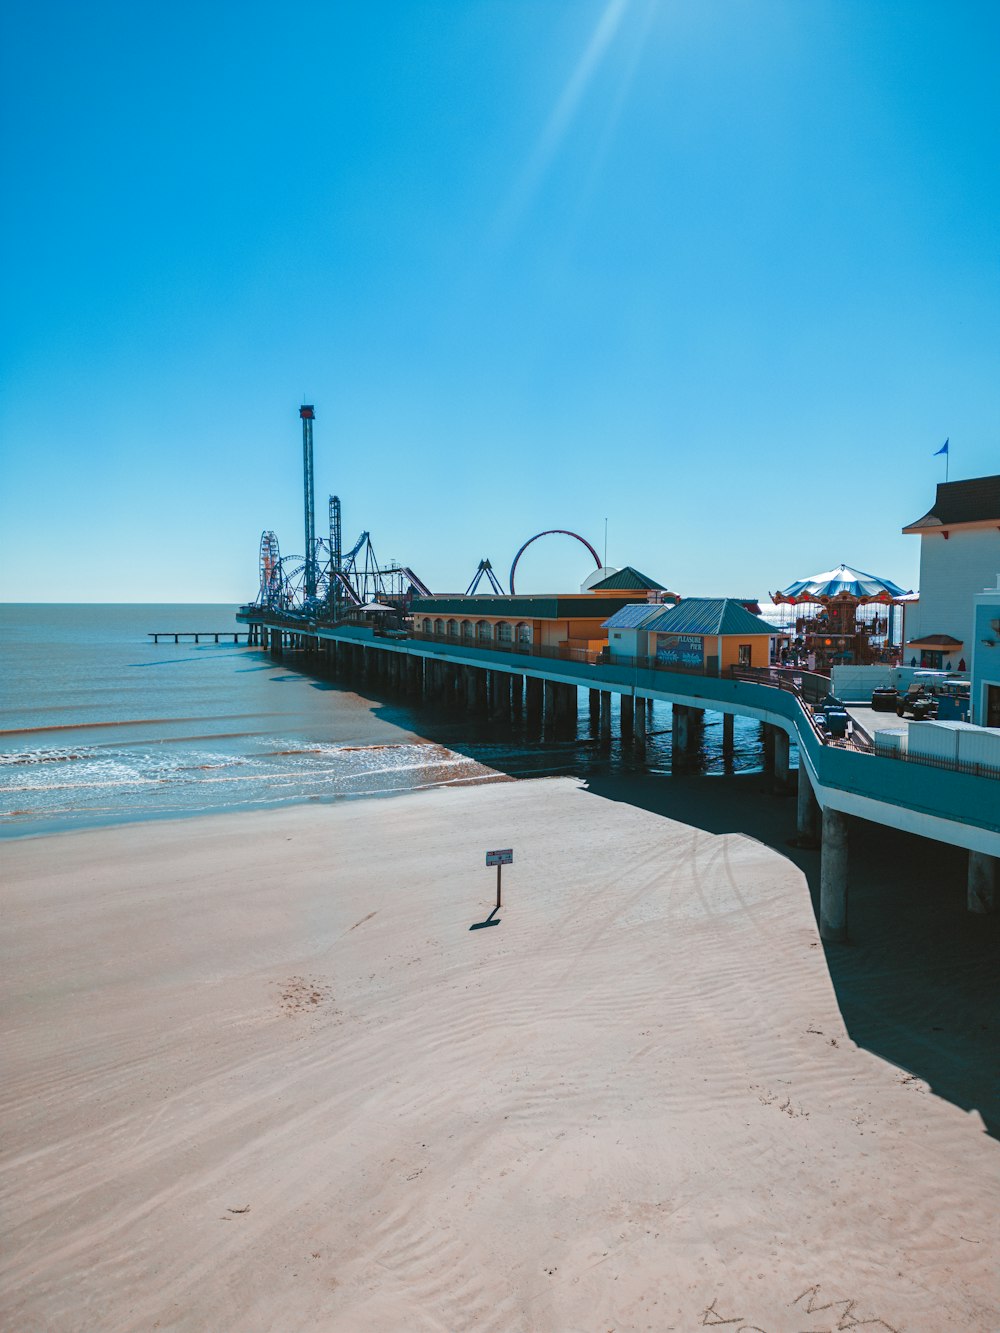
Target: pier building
(704,634)
(985,692)
(571,622)
(959,557)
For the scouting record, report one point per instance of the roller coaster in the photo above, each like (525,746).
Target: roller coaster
(330,584)
(350,582)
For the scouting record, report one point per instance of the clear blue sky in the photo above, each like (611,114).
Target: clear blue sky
(724,273)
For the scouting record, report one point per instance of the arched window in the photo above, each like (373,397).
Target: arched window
(468,629)
(523,632)
(504,633)
(484,631)
(428,625)
(452,629)
(439,627)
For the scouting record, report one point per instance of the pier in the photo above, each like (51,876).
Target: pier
(833,783)
(182,636)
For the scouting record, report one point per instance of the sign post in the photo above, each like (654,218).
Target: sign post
(504,856)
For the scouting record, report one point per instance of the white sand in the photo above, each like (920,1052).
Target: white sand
(260,1075)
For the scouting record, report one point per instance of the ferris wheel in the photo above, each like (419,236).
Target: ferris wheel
(272,583)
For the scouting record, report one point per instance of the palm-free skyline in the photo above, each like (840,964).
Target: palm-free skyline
(725,274)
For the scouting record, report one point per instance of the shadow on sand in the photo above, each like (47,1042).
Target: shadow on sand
(918,985)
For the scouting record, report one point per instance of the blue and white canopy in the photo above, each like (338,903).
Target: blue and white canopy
(849,584)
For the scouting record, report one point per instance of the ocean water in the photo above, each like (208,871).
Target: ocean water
(98,725)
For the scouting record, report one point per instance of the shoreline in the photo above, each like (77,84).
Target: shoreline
(633,1102)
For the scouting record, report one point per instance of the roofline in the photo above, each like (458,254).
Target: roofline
(937,525)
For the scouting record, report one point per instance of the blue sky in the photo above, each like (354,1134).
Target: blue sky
(725,274)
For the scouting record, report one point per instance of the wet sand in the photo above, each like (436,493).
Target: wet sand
(261,1073)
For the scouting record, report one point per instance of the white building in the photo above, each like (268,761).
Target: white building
(986,658)
(959,557)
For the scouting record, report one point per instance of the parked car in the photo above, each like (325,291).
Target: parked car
(918,702)
(884,699)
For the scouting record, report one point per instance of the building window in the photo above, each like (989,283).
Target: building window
(452,629)
(468,629)
(428,626)
(484,631)
(745,651)
(523,632)
(504,633)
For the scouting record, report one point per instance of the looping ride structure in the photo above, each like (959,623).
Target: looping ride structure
(552,532)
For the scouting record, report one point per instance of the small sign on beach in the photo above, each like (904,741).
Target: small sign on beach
(503,856)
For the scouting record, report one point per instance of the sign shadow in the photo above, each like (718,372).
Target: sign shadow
(491,920)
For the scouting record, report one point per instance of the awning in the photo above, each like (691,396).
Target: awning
(935,641)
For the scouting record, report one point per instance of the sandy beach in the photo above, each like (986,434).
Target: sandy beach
(262,1073)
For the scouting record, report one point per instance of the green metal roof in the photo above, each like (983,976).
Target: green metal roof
(633,615)
(708,615)
(537,607)
(627,578)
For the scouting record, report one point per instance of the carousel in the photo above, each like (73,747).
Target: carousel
(842,616)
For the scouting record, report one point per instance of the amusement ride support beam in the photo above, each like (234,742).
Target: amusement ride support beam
(307,414)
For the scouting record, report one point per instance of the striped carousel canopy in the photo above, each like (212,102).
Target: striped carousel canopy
(845,583)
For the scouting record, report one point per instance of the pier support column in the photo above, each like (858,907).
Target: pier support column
(415,676)
(506,694)
(681,724)
(605,717)
(594,708)
(482,690)
(627,717)
(639,720)
(982,898)
(516,694)
(781,746)
(549,705)
(533,700)
(500,696)
(469,688)
(566,709)
(767,743)
(728,744)
(806,810)
(833,877)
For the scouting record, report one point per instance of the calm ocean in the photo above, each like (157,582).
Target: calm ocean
(98,725)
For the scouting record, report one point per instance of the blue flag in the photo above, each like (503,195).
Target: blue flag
(943,449)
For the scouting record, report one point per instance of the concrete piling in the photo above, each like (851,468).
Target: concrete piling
(982,886)
(833,877)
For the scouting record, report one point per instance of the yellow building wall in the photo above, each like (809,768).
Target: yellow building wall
(760,649)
